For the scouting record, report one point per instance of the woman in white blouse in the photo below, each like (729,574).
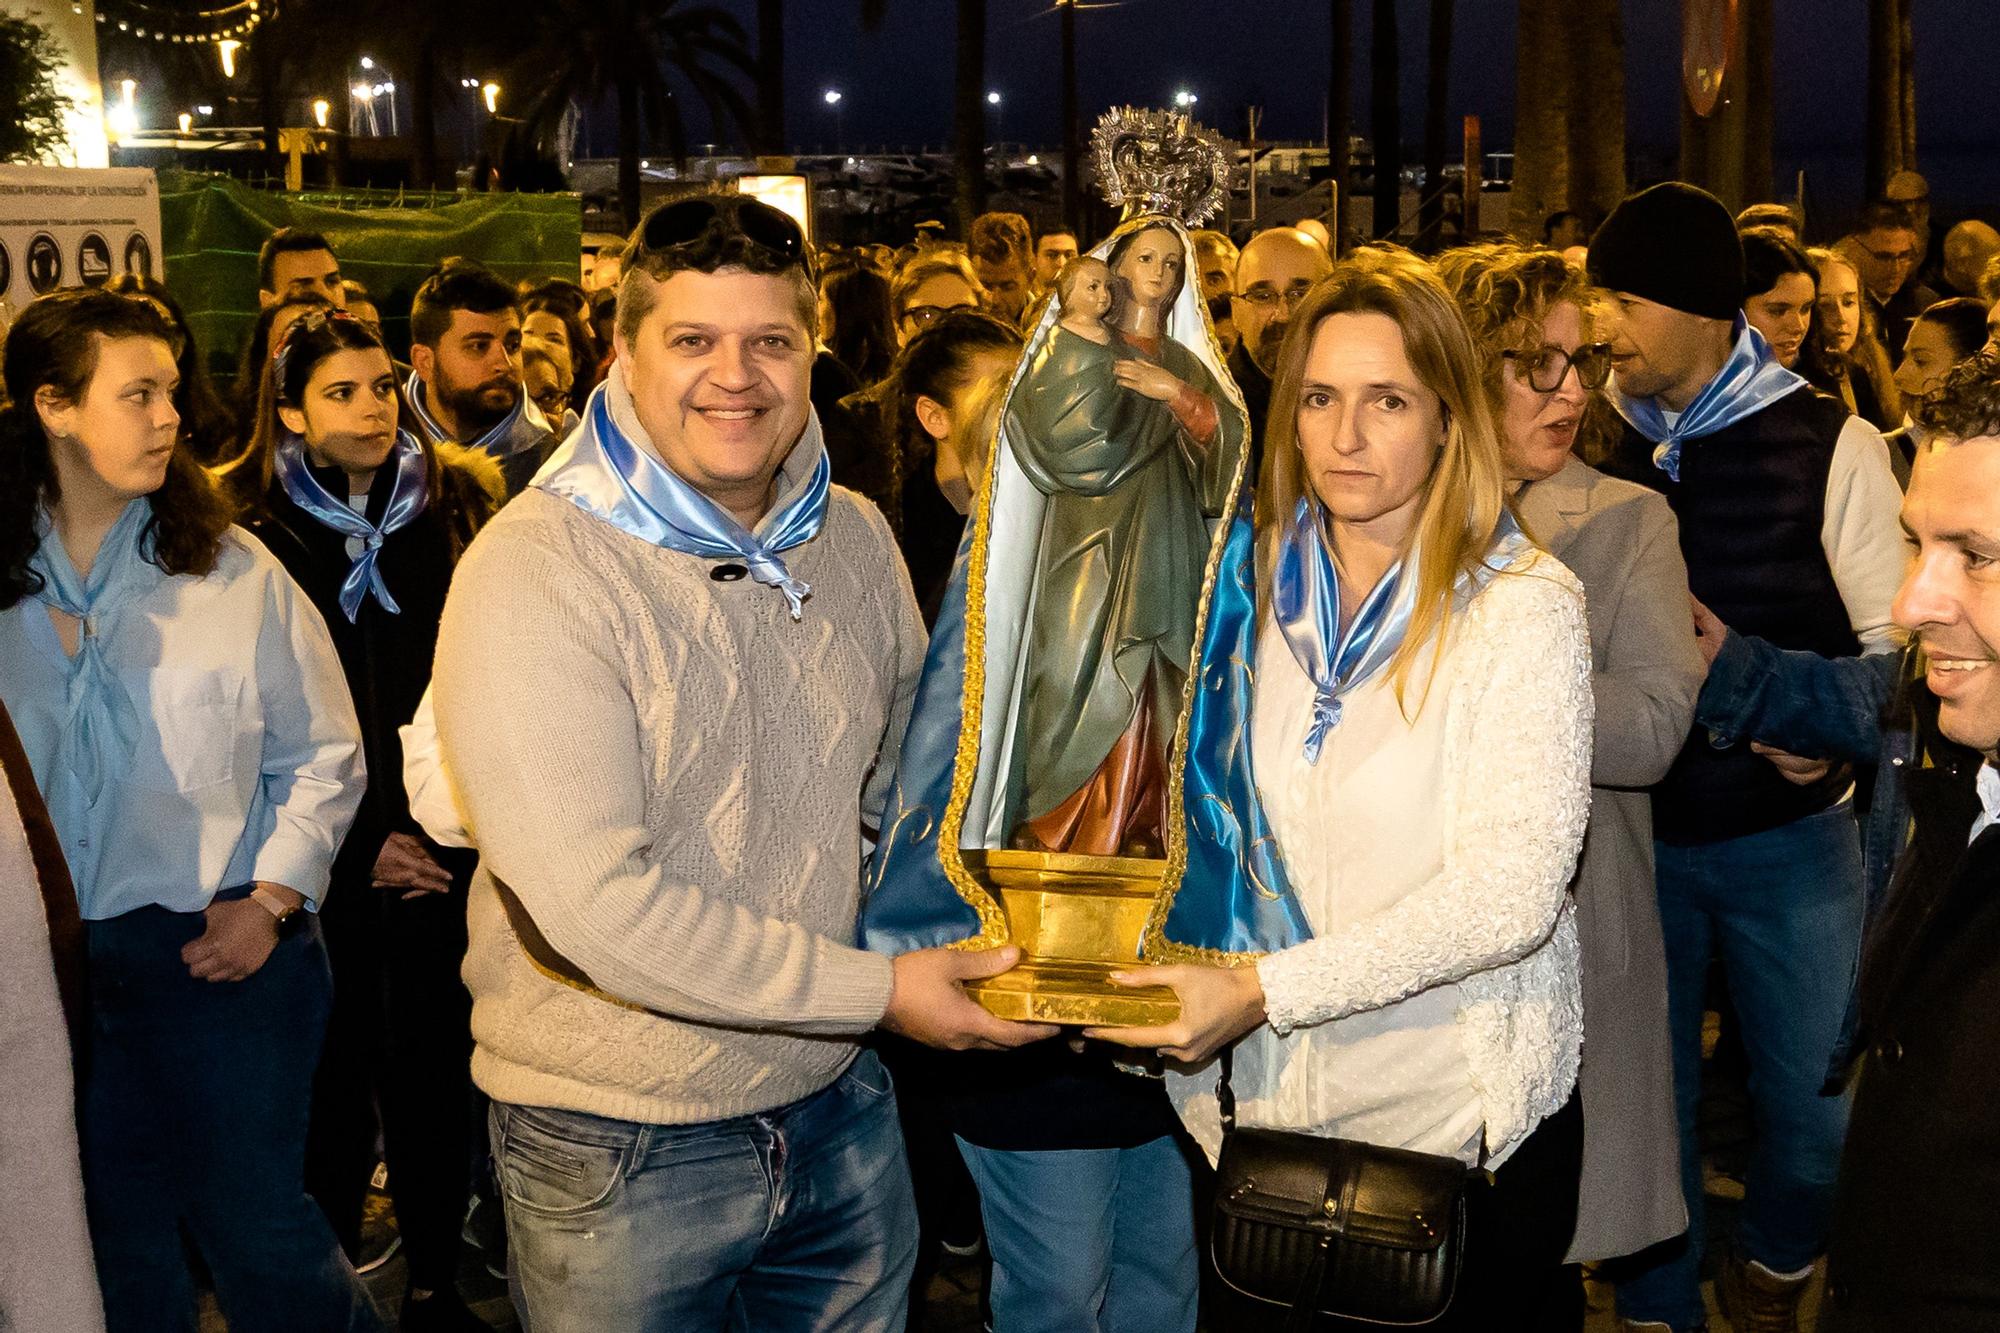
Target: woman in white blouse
(185,717)
(1421,732)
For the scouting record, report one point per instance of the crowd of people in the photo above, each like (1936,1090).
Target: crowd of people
(465,768)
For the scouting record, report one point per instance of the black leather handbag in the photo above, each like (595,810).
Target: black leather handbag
(1331,1228)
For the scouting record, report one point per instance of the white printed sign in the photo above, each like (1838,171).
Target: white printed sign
(76,227)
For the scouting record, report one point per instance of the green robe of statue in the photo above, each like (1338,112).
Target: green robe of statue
(1124,541)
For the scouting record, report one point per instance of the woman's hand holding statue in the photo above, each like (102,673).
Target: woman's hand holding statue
(1218,1005)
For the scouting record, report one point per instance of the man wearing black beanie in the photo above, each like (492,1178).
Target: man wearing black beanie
(1788,520)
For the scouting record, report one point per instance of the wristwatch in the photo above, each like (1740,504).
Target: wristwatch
(287,916)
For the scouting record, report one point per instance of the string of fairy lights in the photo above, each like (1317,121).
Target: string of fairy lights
(197,27)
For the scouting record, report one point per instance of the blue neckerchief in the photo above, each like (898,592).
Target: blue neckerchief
(407,498)
(503,440)
(602,472)
(1305,601)
(1749,381)
(100,724)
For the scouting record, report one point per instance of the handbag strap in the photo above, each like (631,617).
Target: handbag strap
(1225,1096)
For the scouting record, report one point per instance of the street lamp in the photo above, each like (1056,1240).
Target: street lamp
(833,98)
(227,49)
(491,92)
(320,108)
(367,62)
(122,120)
(999,120)
(187,121)
(993,99)
(1185,99)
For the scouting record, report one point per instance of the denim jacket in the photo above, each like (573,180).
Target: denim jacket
(1870,709)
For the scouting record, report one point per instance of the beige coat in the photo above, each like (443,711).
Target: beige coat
(48,1283)
(1622,543)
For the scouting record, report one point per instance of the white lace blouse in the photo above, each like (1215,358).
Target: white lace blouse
(1437,1004)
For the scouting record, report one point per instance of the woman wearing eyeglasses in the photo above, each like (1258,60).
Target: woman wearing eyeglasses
(1528,311)
(369,518)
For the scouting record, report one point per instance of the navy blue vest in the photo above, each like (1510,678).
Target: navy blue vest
(1751,501)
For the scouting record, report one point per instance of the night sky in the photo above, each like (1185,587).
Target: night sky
(897,83)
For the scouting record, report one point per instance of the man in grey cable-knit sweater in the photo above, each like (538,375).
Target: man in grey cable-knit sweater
(663,765)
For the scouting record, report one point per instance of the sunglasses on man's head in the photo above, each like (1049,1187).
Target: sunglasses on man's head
(687,222)
(1544,367)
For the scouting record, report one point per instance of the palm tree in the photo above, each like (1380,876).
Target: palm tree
(968,117)
(1437,89)
(1072,178)
(1385,117)
(1339,113)
(585,49)
(1892,98)
(1569,119)
(968,103)
(1596,111)
(771,76)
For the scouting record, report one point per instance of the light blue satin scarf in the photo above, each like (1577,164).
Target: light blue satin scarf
(604,473)
(1749,381)
(1305,601)
(407,498)
(501,441)
(100,724)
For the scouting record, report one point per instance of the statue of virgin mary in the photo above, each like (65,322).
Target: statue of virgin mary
(1084,703)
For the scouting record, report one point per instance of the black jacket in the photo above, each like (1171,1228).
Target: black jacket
(386,658)
(1916,1228)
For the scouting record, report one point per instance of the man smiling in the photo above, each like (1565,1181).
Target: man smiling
(1925,1137)
(665,674)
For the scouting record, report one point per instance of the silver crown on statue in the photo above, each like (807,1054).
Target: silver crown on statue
(1160,162)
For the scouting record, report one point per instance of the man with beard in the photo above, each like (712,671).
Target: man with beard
(465,354)
(1273,274)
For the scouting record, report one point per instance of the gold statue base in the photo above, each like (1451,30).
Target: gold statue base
(1077,919)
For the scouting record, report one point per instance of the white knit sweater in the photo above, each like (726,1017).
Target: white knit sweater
(1432,855)
(668,772)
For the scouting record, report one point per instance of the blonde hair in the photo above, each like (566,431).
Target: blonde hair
(973,429)
(1465,493)
(1868,354)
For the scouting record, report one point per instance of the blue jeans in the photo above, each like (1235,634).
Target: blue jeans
(1089,1240)
(797,1219)
(194,1115)
(1784,908)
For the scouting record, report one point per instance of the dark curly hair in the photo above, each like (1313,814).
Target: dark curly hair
(1966,404)
(54,345)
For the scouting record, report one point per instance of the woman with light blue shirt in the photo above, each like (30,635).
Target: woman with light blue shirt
(188,725)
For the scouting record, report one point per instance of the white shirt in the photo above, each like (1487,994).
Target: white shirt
(1988,786)
(1438,1002)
